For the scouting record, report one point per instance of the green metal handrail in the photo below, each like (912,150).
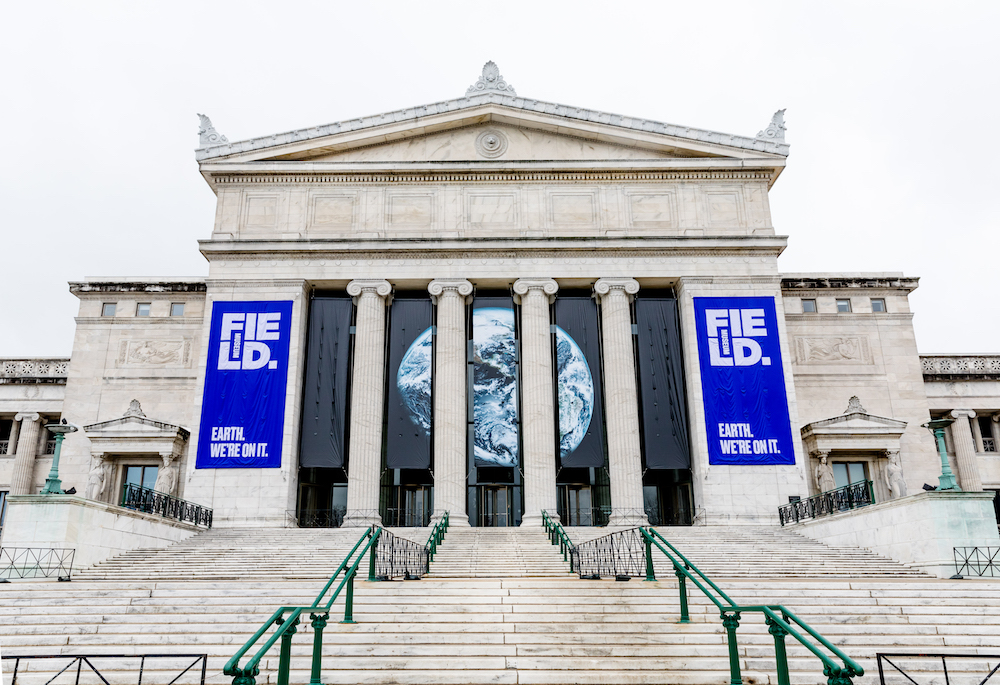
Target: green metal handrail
(318,615)
(436,537)
(557,536)
(779,626)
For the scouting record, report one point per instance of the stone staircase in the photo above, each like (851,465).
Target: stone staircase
(210,593)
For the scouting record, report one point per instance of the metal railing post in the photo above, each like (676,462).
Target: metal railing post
(371,566)
(318,624)
(349,602)
(285,656)
(780,655)
(731,621)
(650,575)
(683,592)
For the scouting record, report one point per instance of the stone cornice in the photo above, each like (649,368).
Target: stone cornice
(955,367)
(131,286)
(847,282)
(292,174)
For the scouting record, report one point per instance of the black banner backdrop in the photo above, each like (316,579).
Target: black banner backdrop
(578,369)
(661,383)
(409,379)
(324,402)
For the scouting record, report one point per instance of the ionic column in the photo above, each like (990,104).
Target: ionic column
(538,436)
(27,449)
(965,450)
(367,391)
(450,406)
(621,401)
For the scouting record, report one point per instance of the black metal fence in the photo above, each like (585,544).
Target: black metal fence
(905,669)
(33,562)
(149,501)
(317,518)
(977,561)
(82,668)
(617,554)
(580,516)
(396,557)
(852,496)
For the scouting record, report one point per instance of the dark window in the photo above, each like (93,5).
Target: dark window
(108,309)
(986,428)
(143,476)
(878,304)
(808,306)
(847,472)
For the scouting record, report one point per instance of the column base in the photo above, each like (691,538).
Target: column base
(361,518)
(454,520)
(529,520)
(628,517)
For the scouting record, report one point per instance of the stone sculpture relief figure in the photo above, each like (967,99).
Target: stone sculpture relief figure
(97,481)
(824,475)
(894,476)
(166,479)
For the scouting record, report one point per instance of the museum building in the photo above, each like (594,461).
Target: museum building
(496,306)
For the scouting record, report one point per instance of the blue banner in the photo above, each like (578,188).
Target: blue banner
(742,381)
(243,409)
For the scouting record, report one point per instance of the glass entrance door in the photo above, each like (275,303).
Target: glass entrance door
(576,505)
(495,506)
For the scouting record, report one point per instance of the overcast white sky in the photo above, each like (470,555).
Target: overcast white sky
(892,120)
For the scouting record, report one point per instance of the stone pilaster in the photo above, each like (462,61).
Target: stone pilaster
(965,450)
(367,398)
(538,436)
(450,400)
(27,449)
(621,401)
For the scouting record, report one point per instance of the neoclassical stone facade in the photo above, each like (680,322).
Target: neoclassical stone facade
(528,206)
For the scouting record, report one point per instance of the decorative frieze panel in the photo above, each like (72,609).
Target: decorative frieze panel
(332,212)
(33,371)
(166,354)
(831,349)
(954,366)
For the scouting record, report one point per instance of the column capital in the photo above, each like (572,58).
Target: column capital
(629,286)
(439,286)
(378,287)
(962,413)
(523,285)
(27,416)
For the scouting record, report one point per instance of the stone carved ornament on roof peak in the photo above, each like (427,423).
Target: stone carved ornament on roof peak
(490,81)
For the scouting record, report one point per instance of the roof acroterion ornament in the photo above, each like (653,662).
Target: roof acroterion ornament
(207,135)
(491,82)
(776,129)
(854,406)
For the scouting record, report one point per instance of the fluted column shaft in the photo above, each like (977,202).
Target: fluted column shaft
(450,400)
(538,436)
(965,450)
(367,399)
(27,449)
(621,403)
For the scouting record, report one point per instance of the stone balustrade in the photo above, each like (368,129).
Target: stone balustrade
(960,365)
(34,370)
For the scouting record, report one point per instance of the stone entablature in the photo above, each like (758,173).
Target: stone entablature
(943,367)
(819,281)
(81,288)
(34,370)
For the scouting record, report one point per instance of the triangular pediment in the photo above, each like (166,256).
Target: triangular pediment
(855,423)
(530,131)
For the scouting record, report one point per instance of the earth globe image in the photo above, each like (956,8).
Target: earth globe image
(413,380)
(575,393)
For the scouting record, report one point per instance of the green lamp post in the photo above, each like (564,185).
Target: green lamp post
(53,485)
(946,481)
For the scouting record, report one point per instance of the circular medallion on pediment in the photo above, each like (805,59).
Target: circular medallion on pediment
(491,143)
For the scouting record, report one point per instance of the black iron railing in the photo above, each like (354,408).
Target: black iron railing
(977,561)
(617,554)
(406,517)
(317,518)
(852,496)
(135,664)
(396,557)
(580,516)
(33,562)
(149,501)
(907,671)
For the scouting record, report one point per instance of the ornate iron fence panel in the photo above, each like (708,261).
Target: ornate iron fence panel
(852,496)
(82,666)
(617,554)
(978,561)
(34,562)
(396,557)
(149,501)
(900,669)
(316,518)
